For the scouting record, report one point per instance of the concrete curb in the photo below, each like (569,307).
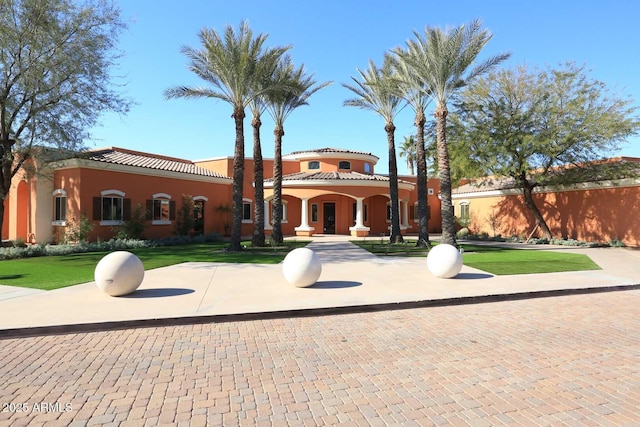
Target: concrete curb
(312,312)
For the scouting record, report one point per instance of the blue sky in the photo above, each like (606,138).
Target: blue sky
(333,38)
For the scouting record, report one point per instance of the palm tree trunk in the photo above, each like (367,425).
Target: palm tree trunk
(444,173)
(277,186)
(527,193)
(396,233)
(421,167)
(235,243)
(258,173)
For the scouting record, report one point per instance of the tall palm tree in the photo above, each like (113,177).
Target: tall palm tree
(443,60)
(377,91)
(408,151)
(298,88)
(412,89)
(257,107)
(231,63)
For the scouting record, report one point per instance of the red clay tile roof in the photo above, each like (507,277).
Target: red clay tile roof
(331,150)
(320,176)
(121,156)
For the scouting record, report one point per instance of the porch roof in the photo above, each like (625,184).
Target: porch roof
(333,176)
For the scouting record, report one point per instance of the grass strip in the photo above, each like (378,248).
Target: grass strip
(494,259)
(53,272)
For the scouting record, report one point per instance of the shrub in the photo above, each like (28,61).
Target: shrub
(462,233)
(133,228)
(616,243)
(78,229)
(185,220)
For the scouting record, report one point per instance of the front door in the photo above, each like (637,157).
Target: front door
(329,216)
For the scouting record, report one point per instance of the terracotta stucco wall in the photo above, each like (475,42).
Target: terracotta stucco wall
(597,215)
(83,184)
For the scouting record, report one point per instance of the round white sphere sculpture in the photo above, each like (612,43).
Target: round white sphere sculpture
(301,267)
(444,261)
(119,273)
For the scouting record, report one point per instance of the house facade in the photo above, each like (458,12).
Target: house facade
(325,191)
(596,211)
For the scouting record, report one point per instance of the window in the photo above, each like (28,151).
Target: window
(246,210)
(388,212)
(465,217)
(314,165)
(367,168)
(343,164)
(60,207)
(314,212)
(160,210)
(464,210)
(355,210)
(284,211)
(111,208)
(413,212)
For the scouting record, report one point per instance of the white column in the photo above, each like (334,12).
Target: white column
(267,221)
(304,229)
(404,206)
(359,212)
(304,216)
(359,229)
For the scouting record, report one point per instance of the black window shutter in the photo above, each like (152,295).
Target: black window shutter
(172,210)
(126,209)
(149,210)
(97,208)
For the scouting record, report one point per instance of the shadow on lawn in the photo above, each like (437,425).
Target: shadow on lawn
(159,293)
(12,276)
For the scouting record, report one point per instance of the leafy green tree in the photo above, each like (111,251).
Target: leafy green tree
(442,60)
(232,63)
(542,128)
(294,90)
(55,63)
(377,91)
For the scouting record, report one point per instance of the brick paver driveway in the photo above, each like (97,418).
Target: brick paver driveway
(571,360)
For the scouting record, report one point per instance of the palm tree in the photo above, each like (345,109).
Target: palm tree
(257,107)
(412,89)
(231,63)
(377,91)
(297,88)
(408,151)
(442,60)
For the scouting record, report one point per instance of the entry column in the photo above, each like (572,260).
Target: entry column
(359,230)
(304,229)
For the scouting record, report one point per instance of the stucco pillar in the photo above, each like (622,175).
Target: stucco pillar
(359,230)
(404,207)
(267,221)
(304,229)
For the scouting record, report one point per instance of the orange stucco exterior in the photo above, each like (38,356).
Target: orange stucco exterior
(593,213)
(346,198)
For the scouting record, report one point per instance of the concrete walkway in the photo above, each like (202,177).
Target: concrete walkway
(351,277)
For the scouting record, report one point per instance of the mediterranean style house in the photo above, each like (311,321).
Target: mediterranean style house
(325,191)
(594,211)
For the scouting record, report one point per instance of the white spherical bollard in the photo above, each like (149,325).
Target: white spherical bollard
(444,261)
(119,273)
(301,267)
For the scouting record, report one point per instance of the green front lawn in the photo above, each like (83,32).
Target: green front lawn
(493,259)
(53,272)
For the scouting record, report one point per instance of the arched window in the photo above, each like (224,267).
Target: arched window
(343,164)
(161,209)
(109,208)
(60,207)
(314,164)
(367,168)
